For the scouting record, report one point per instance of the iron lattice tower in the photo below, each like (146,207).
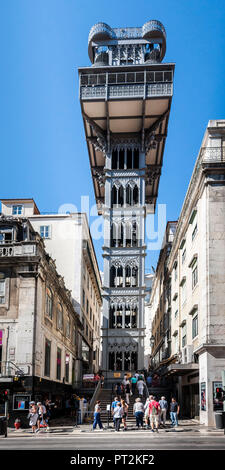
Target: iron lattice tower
(125,101)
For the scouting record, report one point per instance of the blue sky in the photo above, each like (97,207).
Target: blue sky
(43,149)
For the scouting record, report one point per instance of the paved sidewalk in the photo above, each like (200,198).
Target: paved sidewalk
(185,426)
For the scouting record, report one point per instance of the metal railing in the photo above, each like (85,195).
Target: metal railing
(212,154)
(127,84)
(9,369)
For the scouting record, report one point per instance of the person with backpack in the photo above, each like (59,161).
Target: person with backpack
(154,413)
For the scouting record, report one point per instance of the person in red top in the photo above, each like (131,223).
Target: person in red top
(154,413)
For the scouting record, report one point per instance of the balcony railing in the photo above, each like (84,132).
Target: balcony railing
(212,154)
(9,369)
(131,84)
(17,249)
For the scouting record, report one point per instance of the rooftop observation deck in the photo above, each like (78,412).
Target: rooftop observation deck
(125,99)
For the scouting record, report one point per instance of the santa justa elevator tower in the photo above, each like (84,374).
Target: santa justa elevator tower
(125,100)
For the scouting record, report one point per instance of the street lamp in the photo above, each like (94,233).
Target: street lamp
(152,341)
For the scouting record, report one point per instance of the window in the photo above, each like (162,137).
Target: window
(59,317)
(175,271)
(47,357)
(74,336)
(83,299)
(195,326)
(194,274)
(184,291)
(68,328)
(184,337)
(6,236)
(17,210)
(176,314)
(2,288)
(194,232)
(58,364)
(87,307)
(184,256)
(67,366)
(176,344)
(90,314)
(49,303)
(45,231)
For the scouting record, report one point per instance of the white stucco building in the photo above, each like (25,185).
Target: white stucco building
(68,241)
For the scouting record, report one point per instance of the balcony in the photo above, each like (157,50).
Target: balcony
(145,84)
(212,154)
(17,249)
(10,370)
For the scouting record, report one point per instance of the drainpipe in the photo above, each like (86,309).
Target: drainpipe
(34,333)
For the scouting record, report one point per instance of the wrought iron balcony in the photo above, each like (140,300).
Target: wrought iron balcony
(9,369)
(212,154)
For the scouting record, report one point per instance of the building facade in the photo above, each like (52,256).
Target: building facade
(68,241)
(197,268)
(160,303)
(125,102)
(40,331)
(149,280)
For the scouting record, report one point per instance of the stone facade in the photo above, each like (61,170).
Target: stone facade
(40,329)
(197,268)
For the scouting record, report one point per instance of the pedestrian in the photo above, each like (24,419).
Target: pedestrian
(154,413)
(42,415)
(138,412)
(136,375)
(149,381)
(127,391)
(68,406)
(174,412)
(75,408)
(163,410)
(97,416)
(117,415)
(140,386)
(133,384)
(146,411)
(113,406)
(125,414)
(102,378)
(48,412)
(118,390)
(33,417)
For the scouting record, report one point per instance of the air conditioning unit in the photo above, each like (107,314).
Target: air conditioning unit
(187,354)
(184,355)
(190,355)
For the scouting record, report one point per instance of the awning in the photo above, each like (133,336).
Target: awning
(182,369)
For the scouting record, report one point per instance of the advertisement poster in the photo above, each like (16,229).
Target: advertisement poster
(203,396)
(217,396)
